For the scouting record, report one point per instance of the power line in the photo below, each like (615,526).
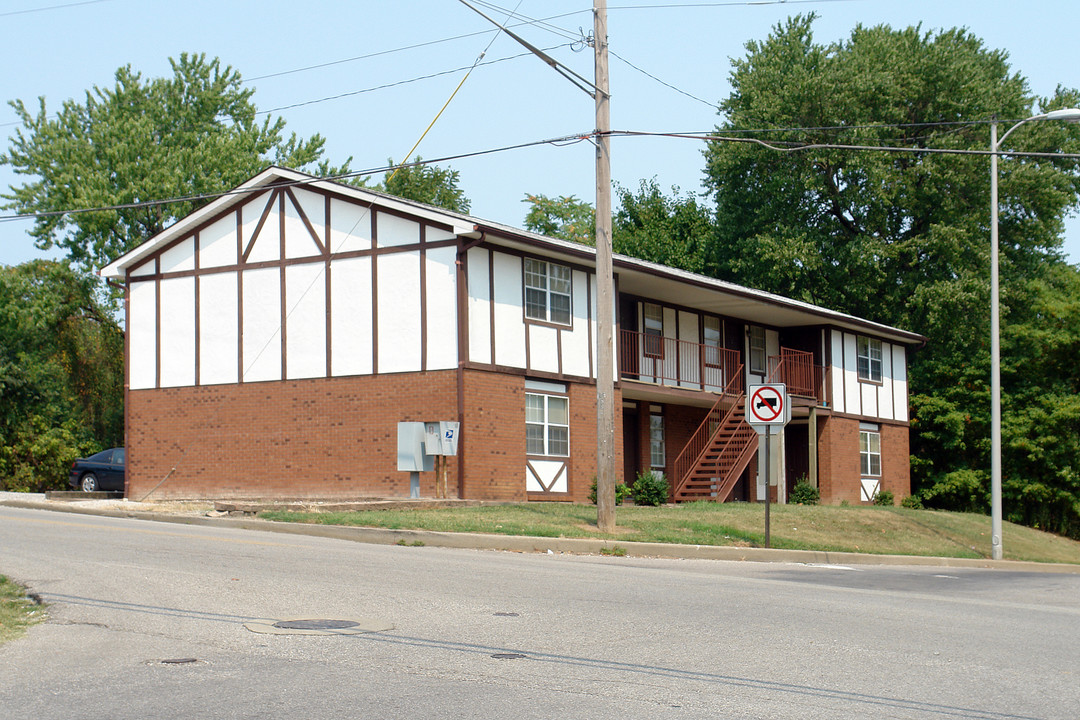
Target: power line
(662,82)
(557,141)
(400,82)
(50,7)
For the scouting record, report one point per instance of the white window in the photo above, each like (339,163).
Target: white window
(757,349)
(654,330)
(547,291)
(657,454)
(713,328)
(869,359)
(870,453)
(547,425)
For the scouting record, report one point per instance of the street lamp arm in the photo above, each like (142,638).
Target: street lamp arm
(1066,114)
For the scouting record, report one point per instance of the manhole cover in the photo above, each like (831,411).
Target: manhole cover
(179,661)
(508,656)
(506,614)
(315,624)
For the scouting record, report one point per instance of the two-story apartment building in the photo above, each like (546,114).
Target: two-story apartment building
(277,336)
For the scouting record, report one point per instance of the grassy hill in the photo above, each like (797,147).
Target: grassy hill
(875,530)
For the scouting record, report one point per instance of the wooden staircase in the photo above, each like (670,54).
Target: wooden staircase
(718,452)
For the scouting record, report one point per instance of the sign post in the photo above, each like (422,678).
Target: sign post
(767,407)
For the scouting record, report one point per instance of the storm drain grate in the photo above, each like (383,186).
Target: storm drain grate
(508,656)
(506,614)
(179,661)
(315,624)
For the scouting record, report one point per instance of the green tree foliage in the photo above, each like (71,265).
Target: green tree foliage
(429,184)
(903,238)
(61,374)
(563,217)
(671,230)
(191,134)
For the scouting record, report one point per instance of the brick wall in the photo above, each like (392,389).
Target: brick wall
(493,436)
(317,438)
(839,472)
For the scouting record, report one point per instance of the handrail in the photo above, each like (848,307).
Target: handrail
(714,420)
(667,361)
(796,369)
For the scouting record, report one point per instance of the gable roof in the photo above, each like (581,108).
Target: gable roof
(636,276)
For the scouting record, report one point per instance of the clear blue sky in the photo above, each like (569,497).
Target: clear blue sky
(59,50)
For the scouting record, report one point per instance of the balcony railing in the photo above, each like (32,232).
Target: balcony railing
(676,363)
(797,370)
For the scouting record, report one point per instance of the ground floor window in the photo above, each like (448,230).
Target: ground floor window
(657,452)
(870,452)
(547,425)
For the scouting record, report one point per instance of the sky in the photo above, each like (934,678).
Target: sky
(370,57)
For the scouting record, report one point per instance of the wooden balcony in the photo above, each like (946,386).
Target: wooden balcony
(675,363)
(797,370)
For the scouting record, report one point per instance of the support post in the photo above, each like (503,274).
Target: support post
(605,371)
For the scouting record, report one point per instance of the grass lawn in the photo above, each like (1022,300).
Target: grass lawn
(17,611)
(876,530)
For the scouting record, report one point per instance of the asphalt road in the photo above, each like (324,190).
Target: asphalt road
(586,636)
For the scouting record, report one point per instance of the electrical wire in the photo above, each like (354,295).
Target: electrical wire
(399,82)
(51,7)
(662,82)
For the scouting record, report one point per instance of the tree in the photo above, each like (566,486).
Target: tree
(185,136)
(564,217)
(429,184)
(903,238)
(61,374)
(672,231)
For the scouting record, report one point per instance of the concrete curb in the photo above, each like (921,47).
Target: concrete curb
(528,544)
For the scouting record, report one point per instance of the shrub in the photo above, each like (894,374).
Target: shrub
(884,497)
(913,502)
(621,492)
(650,489)
(804,493)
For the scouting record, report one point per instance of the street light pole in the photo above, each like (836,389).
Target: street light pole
(1069,115)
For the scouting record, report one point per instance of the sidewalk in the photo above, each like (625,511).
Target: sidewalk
(205,514)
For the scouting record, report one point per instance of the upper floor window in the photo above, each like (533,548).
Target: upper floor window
(547,291)
(869,359)
(757,349)
(654,329)
(547,425)
(713,334)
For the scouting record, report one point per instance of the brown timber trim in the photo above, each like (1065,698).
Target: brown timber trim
(328,293)
(306,260)
(537,374)
(281,275)
(374,292)
(423,300)
(589,319)
(306,221)
(198,324)
(258,227)
(239,298)
(157,326)
(491,301)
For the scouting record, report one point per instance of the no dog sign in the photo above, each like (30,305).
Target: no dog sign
(767,406)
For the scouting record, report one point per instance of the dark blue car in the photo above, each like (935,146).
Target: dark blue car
(104,471)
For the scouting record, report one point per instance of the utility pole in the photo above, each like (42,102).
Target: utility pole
(605,351)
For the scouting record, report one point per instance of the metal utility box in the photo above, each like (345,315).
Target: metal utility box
(410,448)
(441,438)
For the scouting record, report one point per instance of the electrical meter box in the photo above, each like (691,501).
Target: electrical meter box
(410,448)
(441,438)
